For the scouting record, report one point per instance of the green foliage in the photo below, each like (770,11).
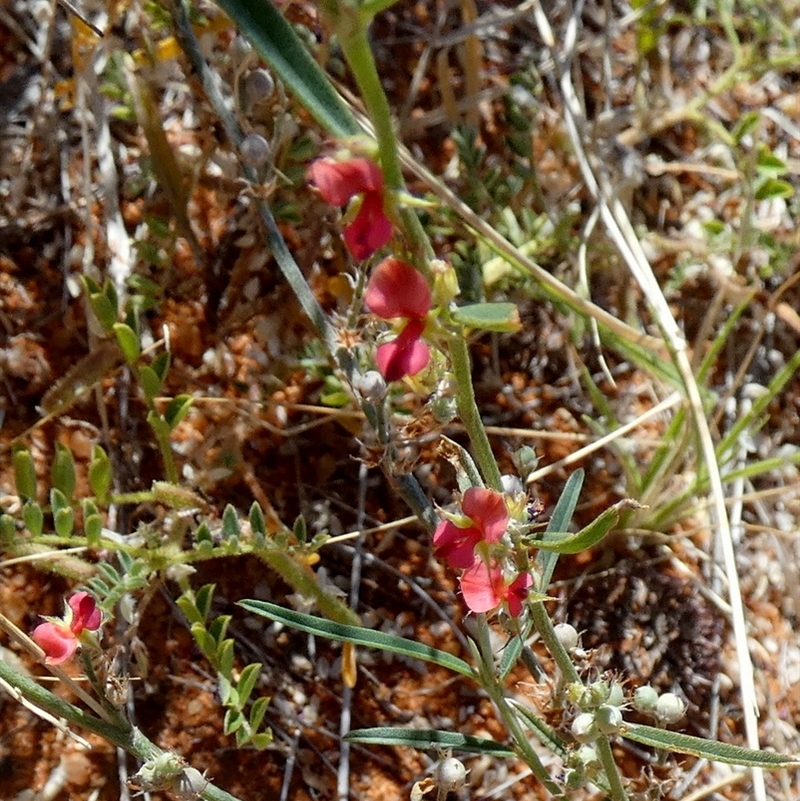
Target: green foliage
(235,689)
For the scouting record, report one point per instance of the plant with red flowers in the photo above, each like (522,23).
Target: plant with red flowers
(339,182)
(397,290)
(484,519)
(59,637)
(485,586)
(464,541)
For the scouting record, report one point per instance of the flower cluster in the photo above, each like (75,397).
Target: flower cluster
(58,637)
(339,182)
(463,542)
(396,290)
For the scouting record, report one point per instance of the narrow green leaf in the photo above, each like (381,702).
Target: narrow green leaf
(278,44)
(359,636)
(225,658)
(177,410)
(559,520)
(101,304)
(699,747)
(257,524)
(218,628)
(230,523)
(258,711)
(499,317)
(774,188)
(33,518)
(24,473)
(262,740)
(187,605)
(247,681)
(64,522)
(160,365)
(204,640)
(128,341)
(149,380)
(233,721)
(62,472)
(563,542)
(100,473)
(8,529)
(429,739)
(205,595)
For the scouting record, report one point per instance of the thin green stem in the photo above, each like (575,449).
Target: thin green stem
(606,755)
(355,45)
(124,736)
(468,411)
(508,715)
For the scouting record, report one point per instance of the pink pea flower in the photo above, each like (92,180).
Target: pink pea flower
(338,183)
(395,289)
(58,637)
(488,520)
(484,588)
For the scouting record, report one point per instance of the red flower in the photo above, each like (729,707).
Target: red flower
(58,638)
(484,588)
(396,289)
(488,515)
(340,181)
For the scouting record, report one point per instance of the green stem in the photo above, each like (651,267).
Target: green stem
(468,411)
(509,717)
(355,45)
(124,736)
(610,767)
(543,624)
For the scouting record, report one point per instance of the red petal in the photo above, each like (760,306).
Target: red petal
(488,509)
(517,592)
(406,355)
(482,587)
(58,643)
(338,181)
(85,614)
(456,545)
(396,289)
(370,230)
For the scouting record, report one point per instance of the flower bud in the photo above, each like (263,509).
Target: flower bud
(670,708)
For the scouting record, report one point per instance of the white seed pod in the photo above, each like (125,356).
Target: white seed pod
(608,719)
(670,708)
(254,150)
(451,774)
(567,635)
(616,695)
(645,699)
(584,729)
